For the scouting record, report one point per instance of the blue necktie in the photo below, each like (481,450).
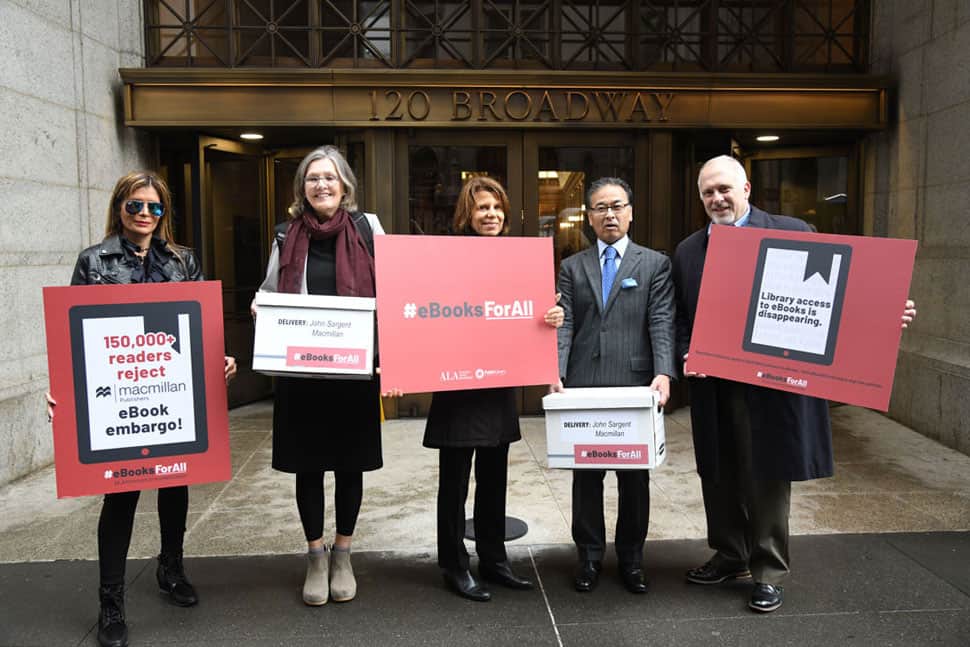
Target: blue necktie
(609,272)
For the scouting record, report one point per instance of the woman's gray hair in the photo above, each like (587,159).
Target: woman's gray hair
(344,172)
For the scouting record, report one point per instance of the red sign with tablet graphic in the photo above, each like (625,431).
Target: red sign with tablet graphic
(137,372)
(814,314)
(464,312)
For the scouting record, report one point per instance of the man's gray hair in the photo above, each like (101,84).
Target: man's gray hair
(738,168)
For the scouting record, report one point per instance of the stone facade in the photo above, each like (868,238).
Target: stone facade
(917,185)
(64,146)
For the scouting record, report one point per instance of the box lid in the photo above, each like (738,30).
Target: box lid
(314,301)
(606,397)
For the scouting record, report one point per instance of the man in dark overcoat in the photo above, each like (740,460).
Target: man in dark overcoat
(750,442)
(618,331)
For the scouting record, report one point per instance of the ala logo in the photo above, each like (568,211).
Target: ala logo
(108,474)
(455,376)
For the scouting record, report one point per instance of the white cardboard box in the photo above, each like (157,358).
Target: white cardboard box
(605,428)
(305,335)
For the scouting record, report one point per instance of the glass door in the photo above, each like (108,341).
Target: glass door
(818,185)
(233,206)
(559,168)
(546,176)
(438,163)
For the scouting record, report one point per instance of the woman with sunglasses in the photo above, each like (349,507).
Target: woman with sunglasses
(477,424)
(138,248)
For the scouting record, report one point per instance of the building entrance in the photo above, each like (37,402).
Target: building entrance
(546,176)
(232,193)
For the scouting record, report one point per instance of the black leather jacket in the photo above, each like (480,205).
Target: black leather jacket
(106,263)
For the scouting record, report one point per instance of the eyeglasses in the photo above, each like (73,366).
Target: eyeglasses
(602,209)
(134,207)
(320,179)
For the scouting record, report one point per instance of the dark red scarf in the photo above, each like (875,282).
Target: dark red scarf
(355,267)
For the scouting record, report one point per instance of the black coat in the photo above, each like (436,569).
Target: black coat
(472,418)
(791,433)
(106,263)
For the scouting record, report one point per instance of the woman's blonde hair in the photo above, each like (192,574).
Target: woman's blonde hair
(465,206)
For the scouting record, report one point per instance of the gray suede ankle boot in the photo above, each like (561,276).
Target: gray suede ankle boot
(343,585)
(316,588)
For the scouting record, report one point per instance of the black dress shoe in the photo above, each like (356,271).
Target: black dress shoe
(765,597)
(633,579)
(172,581)
(587,576)
(464,584)
(501,573)
(710,573)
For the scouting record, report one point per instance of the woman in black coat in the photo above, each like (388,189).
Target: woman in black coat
(138,248)
(479,424)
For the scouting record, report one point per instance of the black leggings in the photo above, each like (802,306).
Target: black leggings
(118,518)
(348,493)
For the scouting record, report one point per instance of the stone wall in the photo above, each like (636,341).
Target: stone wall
(917,185)
(63,147)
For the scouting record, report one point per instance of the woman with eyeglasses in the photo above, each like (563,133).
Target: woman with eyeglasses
(476,425)
(333,425)
(138,248)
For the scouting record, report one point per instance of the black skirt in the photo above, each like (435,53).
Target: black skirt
(472,418)
(326,425)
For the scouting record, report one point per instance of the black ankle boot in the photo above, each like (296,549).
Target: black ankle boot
(112,630)
(172,580)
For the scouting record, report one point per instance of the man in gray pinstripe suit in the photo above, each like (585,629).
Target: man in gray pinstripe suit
(618,331)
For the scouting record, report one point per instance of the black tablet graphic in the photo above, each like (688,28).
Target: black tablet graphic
(796,299)
(139,384)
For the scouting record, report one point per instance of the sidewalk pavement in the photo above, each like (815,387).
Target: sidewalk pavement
(881,555)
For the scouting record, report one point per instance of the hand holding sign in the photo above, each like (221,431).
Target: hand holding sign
(909,312)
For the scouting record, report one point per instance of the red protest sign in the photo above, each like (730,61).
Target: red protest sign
(137,373)
(464,312)
(814,314)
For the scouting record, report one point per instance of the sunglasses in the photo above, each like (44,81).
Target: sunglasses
(134,207)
